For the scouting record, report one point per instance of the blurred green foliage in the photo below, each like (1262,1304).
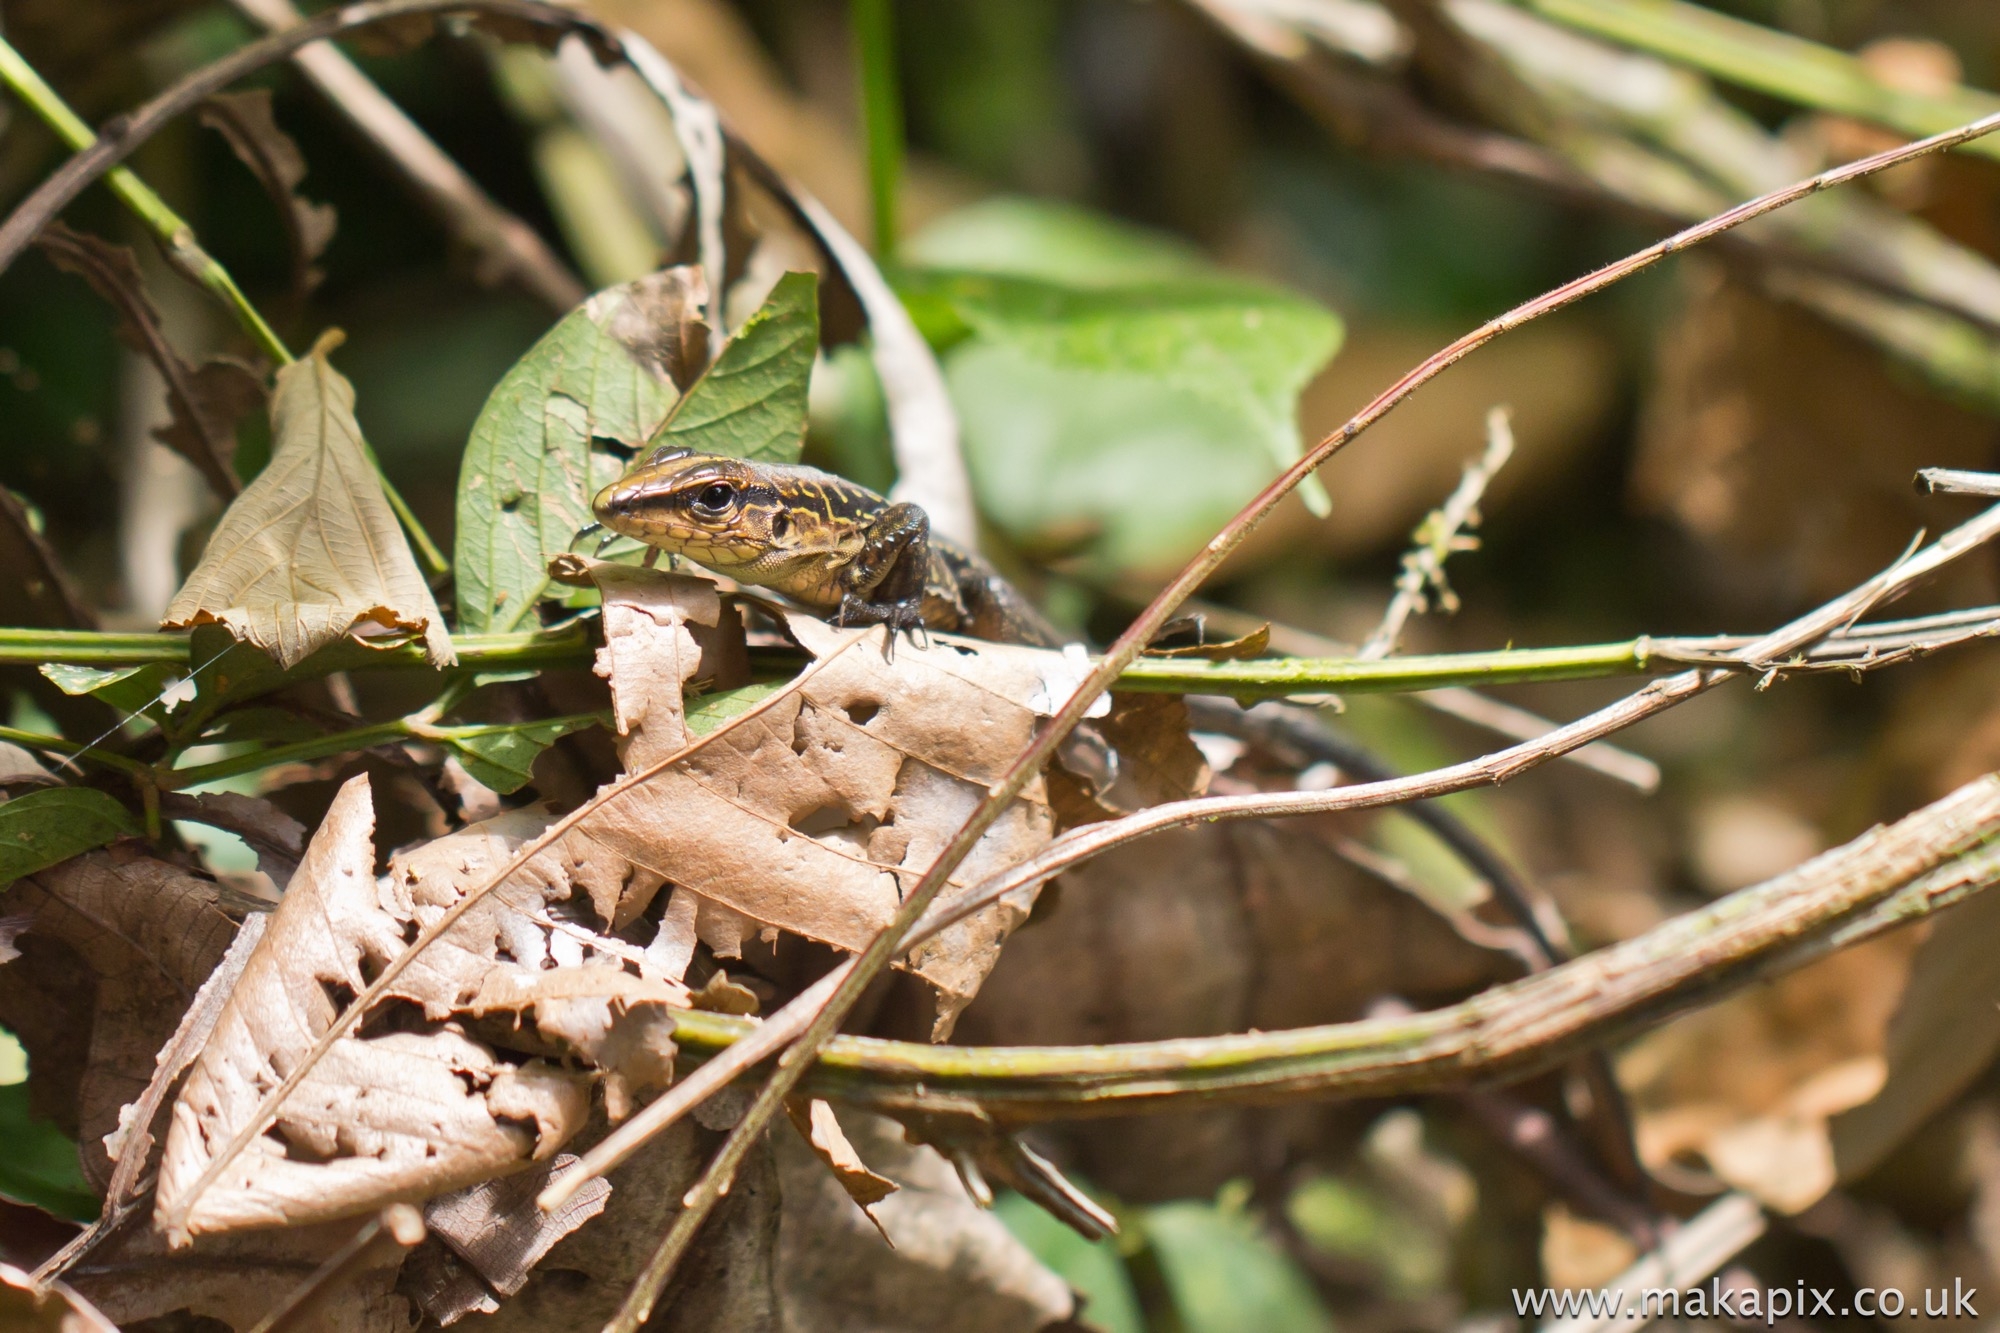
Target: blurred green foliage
(39,1165)
(1121,398)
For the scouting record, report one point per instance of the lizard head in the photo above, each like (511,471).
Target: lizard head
(720,512)
(723,513)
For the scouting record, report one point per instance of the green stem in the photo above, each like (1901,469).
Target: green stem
(1752,56)
(34,740)
(1261,678)
(177,238)
(1268,678)
(298,752)
(881,115)
(174,234)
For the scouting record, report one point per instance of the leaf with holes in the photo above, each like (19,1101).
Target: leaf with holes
(546,440)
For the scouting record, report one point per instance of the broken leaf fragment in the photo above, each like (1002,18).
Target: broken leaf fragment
(310,552)
(245,119)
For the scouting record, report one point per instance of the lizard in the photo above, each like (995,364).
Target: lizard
(819,539)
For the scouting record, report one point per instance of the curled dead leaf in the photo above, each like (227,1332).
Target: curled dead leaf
(246,121)
(816,814)
(815,1121)
(207,401)
(310,551)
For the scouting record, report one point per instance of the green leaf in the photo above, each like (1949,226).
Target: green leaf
(40,1166)
(531,466)
(708,711)
(1120,399)
(44,827)
(132,690)
(502,755)
(752,402)
(1226,1275)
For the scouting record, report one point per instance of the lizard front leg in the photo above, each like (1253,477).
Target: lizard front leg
(884,583)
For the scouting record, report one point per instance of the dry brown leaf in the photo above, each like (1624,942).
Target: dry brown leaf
(1748,1086)
(496,1228)
(278,839)
(1944,1035)
(815,1122)
(1197,932)
(816,815)
(245,120)
(130,1146)
(115,948)
(398,1115)
(1151,758)
(728,1281)
(237,1280)
(1785,447)
(311,550)
(207,401)
(953,1265)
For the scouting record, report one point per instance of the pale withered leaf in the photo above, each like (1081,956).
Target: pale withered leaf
(311,550)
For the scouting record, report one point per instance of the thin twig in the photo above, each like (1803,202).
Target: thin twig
(715,1181)
(1951,481)
(1761,656)
(1443,532)
(506,247)
(1685,1259)
(1456,701)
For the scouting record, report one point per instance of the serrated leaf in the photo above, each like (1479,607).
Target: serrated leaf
(502,755)
(605,372)
(311,549)
(752,402)
(40,1166)
(46,827)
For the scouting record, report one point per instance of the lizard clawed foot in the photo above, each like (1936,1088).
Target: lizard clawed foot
(906,617)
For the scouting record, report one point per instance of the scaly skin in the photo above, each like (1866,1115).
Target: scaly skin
(821,541)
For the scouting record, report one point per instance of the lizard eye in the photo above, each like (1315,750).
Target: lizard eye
(715,498)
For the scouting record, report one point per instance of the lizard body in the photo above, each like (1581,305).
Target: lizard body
(820,540)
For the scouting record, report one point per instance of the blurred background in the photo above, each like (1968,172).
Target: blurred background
(1712,447)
